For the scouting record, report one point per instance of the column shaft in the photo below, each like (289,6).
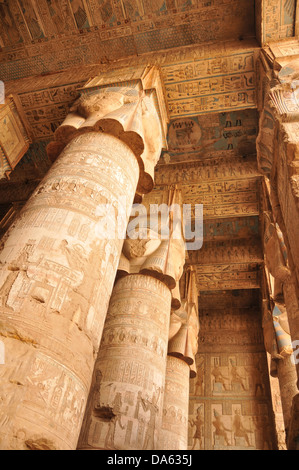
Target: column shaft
(174,431)
(56,278)
(125,404)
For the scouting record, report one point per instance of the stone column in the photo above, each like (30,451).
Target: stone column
(277,257)
(57,272)
(280,431)
(277,143)
(287,376)
(125,405)
(182,348)
(277,154)
(174,430)
(292,307)
(293,435)
(280,325)
(278,344)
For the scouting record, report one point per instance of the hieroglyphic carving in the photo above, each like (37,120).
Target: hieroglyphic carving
(204,78)
(198,423)
(226,323)
(223,199)
(14,141)
(225,276)
(278,19)
(203,171)
(220,187)
(220,198)
(242,250)
(45,110)
(227,265)
(43,129)
(138,319)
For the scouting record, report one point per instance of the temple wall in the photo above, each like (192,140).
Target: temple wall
(230,400)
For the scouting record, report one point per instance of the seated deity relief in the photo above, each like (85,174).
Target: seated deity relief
(232,379)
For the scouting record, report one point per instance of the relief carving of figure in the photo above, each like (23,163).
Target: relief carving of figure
(220,429)
(239,429)
(235,375)
(219,377)
(76,307)
(94,403)
(116,419)
(263,432)
(199,384)
(153,408)
(198,422)
(20,265)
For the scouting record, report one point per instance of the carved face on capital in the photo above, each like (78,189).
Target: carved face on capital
(104,102)
(134,249)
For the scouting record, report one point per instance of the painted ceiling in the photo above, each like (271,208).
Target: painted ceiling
(42,36)
(46,35)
